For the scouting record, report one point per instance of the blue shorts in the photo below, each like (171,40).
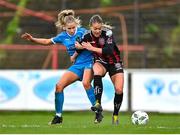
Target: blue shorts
(78,69)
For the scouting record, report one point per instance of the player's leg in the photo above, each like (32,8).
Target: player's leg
(118,82)
(99,71)
(68,78)
(87,78)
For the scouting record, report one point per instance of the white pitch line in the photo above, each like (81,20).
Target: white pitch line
(162,127)
(26,126)
(60,126)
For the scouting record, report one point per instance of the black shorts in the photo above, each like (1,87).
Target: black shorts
(113,69)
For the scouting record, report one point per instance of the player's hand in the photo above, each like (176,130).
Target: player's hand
(78,45)
(27,36)
(87,46)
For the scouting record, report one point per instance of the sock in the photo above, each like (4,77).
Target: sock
(91,96)
(59,114)
(117,103)
(98,88)
(59,100)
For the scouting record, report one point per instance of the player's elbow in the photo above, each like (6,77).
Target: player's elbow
(47,42)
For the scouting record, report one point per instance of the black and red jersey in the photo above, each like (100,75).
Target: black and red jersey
(110,52)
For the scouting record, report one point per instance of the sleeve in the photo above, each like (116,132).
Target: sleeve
(109,45)
(83,32)
(84,39)
(57,39)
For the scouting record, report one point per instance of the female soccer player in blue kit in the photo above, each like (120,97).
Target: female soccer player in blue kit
(82,62)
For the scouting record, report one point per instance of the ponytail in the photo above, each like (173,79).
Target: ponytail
(66,16)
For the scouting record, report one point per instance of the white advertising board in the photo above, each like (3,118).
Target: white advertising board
(34,90)
(156,91)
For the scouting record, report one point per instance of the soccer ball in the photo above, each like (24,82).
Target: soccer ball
(140,118)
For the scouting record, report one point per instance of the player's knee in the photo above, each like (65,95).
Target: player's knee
(86,85)
(119,89)
(59,87)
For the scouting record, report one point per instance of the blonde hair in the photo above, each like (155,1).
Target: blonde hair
(98,19)
(66,16)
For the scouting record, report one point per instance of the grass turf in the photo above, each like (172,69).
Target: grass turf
(82,122)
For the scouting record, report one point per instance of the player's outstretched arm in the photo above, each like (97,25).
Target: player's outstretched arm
(42,41)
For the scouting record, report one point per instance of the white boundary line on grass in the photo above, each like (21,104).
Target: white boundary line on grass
(161,127)
(60,126)
(27,126)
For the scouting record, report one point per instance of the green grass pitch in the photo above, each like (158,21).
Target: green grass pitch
(82,123)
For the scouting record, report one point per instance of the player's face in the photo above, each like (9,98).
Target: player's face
(71,28)
(96,29)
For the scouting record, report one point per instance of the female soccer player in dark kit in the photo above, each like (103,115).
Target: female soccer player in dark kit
(107,58)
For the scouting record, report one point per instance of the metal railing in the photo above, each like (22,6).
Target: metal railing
(53,50)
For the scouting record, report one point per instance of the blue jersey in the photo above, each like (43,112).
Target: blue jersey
(69,42)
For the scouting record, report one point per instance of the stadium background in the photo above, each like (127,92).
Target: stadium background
(147,33)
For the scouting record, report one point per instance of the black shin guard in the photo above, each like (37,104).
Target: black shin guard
(98,88)
(117,103)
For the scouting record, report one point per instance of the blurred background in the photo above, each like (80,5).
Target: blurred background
(147,33)
(150,29)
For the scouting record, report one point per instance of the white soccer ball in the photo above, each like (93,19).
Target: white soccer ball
(140,118)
